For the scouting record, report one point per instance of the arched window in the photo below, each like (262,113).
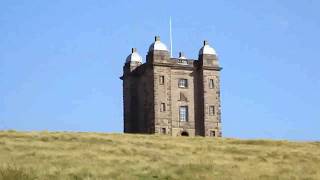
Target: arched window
(184,133)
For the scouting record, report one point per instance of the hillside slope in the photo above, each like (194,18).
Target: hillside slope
(51,155)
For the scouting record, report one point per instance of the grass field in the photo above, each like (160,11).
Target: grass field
(63,155)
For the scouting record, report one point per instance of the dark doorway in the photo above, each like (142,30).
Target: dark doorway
(163,131)
(184,133)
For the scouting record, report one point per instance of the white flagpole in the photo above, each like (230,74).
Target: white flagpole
(170,37)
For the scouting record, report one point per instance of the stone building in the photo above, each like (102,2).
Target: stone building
(173,96)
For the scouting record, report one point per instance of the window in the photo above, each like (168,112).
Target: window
(163,131)
(162,107)
(212,133)
(211,110)
(183,113)
(183,83)
(161,80)
(211,83)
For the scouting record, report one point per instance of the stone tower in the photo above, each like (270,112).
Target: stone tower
(173,96)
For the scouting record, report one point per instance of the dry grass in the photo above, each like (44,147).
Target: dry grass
(63,155)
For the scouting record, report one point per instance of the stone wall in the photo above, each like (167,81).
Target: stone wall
(143,95)
(183,97)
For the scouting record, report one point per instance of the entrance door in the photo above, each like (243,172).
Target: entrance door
(184,133)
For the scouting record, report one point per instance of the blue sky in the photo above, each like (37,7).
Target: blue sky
(60,61)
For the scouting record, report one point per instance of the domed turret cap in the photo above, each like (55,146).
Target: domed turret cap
(207,49)
(134,56)
(157,45)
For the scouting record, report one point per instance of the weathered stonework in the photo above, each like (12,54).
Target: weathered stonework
(152,106)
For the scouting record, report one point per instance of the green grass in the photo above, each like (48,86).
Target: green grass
(64,155)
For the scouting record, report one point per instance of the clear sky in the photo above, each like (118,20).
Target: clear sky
(60,61)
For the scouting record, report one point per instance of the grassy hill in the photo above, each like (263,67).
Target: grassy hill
(60,155)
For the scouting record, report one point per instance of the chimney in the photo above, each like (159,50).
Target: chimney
(134,50)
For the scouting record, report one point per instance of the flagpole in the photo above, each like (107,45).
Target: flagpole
(170,37)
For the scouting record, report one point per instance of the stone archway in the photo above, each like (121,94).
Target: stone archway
(184,133)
